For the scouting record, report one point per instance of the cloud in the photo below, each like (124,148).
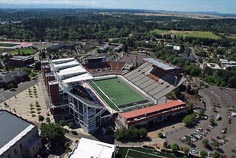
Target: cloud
(69,2)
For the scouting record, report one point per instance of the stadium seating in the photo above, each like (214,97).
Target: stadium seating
(153,80)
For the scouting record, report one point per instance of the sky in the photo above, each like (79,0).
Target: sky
(221,6)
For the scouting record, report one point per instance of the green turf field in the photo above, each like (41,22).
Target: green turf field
(194,34)
(8,45)
(22,51)
(141,153)
(116,92)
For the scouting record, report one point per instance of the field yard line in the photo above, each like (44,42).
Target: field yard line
(105,95)
(147,153)
(127,153)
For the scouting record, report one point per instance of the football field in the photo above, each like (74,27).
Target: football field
(116,92)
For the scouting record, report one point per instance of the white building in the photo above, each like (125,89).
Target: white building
(92,149)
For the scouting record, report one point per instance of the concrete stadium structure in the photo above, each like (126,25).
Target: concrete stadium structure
(72,87)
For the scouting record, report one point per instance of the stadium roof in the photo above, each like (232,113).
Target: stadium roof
(148,110)
(12,129)
(92,149)
(161,64)
(57,61)
(67,64)
(82,77)
(69,70)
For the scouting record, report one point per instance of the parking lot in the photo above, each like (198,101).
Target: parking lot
(223,132)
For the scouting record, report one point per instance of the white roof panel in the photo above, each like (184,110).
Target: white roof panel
(62,60)
(90,148)
(66,64)
(72,70)
(82,77)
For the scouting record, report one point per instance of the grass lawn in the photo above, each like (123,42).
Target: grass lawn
(141,153)
(118,91)
(232,36)
(195,34)
(8,45)
(22,51)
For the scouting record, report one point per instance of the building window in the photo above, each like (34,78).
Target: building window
(15,152)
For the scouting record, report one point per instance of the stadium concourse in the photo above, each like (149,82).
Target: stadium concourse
(91,94)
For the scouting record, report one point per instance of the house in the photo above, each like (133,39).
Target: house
(18,137)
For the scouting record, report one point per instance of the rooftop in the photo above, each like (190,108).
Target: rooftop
(161,64)
(148,110)
(12,129)
(22,58)
(92,149)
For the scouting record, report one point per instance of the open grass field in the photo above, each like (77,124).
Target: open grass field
(8,44)
(116,92)
(22,51)
(141,153)
(194,34)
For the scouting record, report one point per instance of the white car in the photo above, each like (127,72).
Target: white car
(194,152)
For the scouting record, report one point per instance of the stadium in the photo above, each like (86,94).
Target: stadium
(98,90)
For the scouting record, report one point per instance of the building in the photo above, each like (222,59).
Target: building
(154,114)
(77,91)
(92,149)
(17,76)
(18,138)
(21,61)
(226,64)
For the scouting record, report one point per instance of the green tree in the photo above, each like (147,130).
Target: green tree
(174,147)
(202,112)
(40,118)
(215,144)
(215,155)
(212,121)
(53,134)
(186,151)
(189,119)
(142,132)
(203,153)
(205,142)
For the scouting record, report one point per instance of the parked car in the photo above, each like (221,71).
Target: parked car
(224,130)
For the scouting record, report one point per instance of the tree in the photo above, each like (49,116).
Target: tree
(201,112)
(212,121)
(203,153)
(40,118)
(53,134)
(215,144)
(142,132)
(189,119)
(215,155)
(205,142)
(174,147)
(186,151)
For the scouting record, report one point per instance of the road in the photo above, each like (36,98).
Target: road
(6,94)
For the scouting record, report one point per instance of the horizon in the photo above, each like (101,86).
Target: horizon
(205,6)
